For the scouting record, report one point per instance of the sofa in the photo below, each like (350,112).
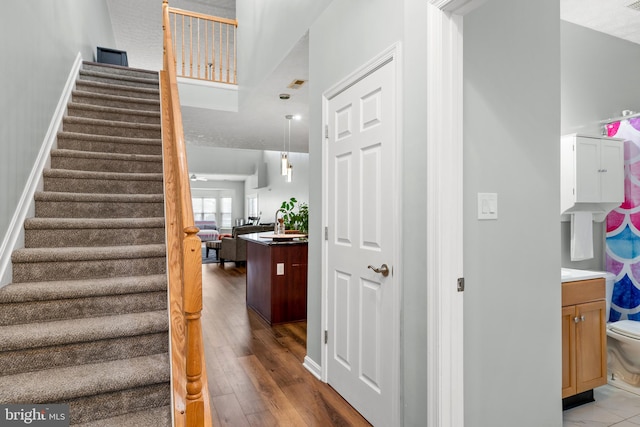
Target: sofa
(208,230)
(234,248)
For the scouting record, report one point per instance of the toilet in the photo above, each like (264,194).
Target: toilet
(623,348)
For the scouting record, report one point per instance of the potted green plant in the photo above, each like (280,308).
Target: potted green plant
(296,215)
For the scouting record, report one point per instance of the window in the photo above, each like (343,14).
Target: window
(225,211)
(252,206)
(204,209)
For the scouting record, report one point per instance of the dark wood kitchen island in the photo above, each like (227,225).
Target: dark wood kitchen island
(276,277)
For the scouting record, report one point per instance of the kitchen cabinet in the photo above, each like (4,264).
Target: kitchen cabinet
(584,341)
(592,172)
(277,278)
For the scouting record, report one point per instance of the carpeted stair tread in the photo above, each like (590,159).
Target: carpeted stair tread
(111,100)
(98,223)
(114,144)
(98,197)
(120,90)
(123,79)
(106,176)
(82,254)
(64,135)
(53,290)
(59,332)
(130,91)
(153,417)
(106,156)
(120,70)
(112,113)
(86,232)
(83,121)
(62,384)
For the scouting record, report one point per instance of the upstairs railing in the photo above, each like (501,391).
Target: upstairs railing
(204,46)
(189,380)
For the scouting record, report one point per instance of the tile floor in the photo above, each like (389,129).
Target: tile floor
(613,407)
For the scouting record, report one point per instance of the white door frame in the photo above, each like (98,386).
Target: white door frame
(445,364)
(391,56)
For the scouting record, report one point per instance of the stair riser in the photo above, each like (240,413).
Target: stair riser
(124,147)
(93,237)
(73,270)
(53,209)
(129,72)
(109,129)
(72,185)
(105,165)
(118,81)
(91,408)
(110,90)
(14,362)
(131,104)
(131,117)
(42,311)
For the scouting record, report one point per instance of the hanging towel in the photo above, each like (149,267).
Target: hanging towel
(581,236)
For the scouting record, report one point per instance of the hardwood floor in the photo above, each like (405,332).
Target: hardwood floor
(255,371)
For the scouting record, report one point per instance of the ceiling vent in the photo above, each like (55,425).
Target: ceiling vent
(297,84)
(635,5)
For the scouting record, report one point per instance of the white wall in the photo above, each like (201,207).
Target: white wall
(39,40)
(599,75)
(217,160)
(512,334)
(278,190)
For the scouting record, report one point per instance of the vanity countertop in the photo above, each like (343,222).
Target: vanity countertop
(573,275)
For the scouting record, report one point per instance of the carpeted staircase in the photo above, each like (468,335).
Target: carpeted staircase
(85,319)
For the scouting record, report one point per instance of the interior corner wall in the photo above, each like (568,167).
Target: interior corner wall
(512,335)
(39,40)
(267,31)
(598,80)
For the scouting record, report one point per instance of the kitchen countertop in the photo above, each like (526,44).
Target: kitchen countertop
(262,239)
(573,275)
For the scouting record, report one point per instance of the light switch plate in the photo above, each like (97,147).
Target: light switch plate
(487,205)
(280,269)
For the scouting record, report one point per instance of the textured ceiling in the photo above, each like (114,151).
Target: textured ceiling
(612,17)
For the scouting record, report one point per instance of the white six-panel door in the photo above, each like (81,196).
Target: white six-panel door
(363,334)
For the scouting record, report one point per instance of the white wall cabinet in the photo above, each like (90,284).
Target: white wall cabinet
(592,174)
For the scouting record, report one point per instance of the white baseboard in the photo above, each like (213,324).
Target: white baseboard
(14,237)
(312,367)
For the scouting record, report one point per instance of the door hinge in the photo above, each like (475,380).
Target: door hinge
(326,131)
(326,336)
(460,284)
(326,233)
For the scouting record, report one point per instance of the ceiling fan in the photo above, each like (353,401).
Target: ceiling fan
(193,177)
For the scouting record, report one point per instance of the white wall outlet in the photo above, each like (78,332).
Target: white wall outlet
(487,206)
(280,269)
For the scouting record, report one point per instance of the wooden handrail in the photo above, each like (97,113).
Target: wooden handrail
(184,256)
(198,55)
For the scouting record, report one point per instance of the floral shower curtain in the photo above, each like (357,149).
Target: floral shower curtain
(623,227)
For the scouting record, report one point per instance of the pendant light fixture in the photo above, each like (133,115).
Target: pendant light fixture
(289,169)
(284,157)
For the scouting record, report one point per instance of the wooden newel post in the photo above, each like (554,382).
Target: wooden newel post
(192,311)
